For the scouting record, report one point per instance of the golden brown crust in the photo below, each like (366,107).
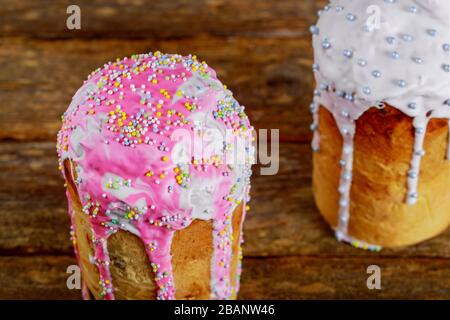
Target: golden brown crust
(382,155)
(130,267)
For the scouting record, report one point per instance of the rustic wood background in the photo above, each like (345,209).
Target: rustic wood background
(261,49)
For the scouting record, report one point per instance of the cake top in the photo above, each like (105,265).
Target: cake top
(157,132)
(393,51)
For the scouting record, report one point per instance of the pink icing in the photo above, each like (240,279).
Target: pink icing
(119,131)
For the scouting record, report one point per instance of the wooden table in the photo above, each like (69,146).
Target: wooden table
(262,50)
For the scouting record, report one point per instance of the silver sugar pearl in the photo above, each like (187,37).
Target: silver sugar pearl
(446,67)
(362,63)
(412,105)
(432,32)
(376,73)
(412,174)
(390,40)
(343,219)
(350,17)
(366,90)
(402,83)
(412,9)
(407,37)
(326,44)
(345,114)
(418,60)
(419,130)
(419,153)
(395,55)
(348,53)
(314,30)
(347,176)
(413,195)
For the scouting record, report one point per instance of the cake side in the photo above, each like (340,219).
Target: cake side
(131,270)
(383,147)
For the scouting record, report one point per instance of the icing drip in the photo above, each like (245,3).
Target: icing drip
(221,287)
(371,53)
(346,163)
(160,260)
(133,175)
(315,143)
(420,127)
(102,261)
(345,113)
(241,241)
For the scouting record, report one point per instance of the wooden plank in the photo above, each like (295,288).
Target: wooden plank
(344,278)
(271,77)
(33,211)
(282,221)
(44,277)
(36,277)
(159,19)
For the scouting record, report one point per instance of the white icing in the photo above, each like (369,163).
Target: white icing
(206,142)
(117,211)
(368,53)
(122,190)
(83,134)
(199,197)
(427,82)
(197,86)
(181,153)
(81,95)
